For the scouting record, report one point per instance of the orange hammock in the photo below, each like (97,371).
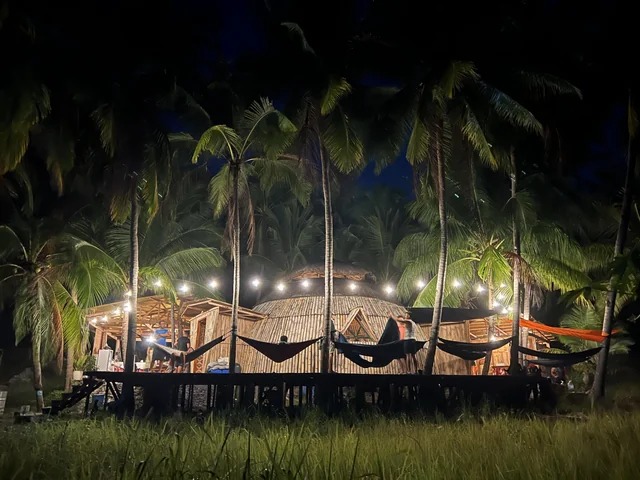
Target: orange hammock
(593,335)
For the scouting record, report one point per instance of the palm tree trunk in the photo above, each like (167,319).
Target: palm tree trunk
(129,342)
(328,259)
(37,372)
(515,332)
(235,245)
(526,314)
(598,389)
(68,376)
(490,329)
(442,263)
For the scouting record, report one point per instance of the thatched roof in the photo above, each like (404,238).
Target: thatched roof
(340,270)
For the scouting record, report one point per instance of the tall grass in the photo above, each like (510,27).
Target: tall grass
(602,446)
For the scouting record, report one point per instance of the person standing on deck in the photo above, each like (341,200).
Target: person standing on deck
(160,333)
(183,344)
(406,327)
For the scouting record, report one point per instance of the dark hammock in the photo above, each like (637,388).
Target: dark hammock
(381,354)
(476,347)
(462,352)
(278,352)
(192,355)
(559,359)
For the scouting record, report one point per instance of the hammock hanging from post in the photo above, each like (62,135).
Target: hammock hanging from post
(381,354)
(592,335)
(470,351)
(559,359)
(192,355)
(278,352)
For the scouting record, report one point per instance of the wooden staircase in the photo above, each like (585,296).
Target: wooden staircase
(78,393)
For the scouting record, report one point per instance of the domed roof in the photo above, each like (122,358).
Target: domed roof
(309,282)
(340,270)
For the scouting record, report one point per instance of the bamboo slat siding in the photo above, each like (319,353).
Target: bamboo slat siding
(300,319)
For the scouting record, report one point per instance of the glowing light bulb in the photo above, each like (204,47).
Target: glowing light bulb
(306,283)
(352,286)
(281,287)
(388,289)
(420,284)
(504,310)
(184,288)
(256,282)
(94,320)
(157,283)
(151,339)
(502,285)
(128,293)
(456,283)
(213,284)
(480,289)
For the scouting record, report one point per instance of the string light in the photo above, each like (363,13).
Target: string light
(128,293)
(480,289)
(306,283)
(213,284)
(281,287)
(184,288)
(157,283)
(420,284)
(456,283)
(94,320)
(352,286)
(388,288)
(256,282)
(151,339)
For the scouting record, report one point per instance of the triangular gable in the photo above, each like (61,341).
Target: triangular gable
(357,328)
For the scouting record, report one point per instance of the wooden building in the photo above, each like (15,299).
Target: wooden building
(294,309)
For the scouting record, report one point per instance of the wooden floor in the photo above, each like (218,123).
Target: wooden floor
(293,393)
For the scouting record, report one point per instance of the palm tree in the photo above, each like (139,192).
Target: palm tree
(254,147)
(621,237)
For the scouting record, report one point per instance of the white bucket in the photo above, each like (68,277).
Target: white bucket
(77,375)
(3,400)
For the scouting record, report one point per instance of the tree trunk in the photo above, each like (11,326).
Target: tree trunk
(37,372)
(515,332)
(490,328)
(172,319)
(526,314)
(328,260)
(235,245)
(442,263)
(598,389)
(129,343)
(68,376)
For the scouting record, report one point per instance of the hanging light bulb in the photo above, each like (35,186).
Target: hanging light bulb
(184,288)
(157,283)
(480,288)
(420,284)
(94,320)
(128,293)
(213,284)
(353,286)
(281,287)
(256,282)
(388,289)
(151,339)
(456,283)
(305,283)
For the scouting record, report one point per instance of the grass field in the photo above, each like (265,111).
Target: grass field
(599,446)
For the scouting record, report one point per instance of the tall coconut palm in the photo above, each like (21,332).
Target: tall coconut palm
(253,148)
(621,237)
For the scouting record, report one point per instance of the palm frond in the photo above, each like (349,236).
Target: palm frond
(343,145)
(337,89)
(219,141)
(510,110)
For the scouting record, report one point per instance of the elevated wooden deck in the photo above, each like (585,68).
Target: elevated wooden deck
(292,393)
